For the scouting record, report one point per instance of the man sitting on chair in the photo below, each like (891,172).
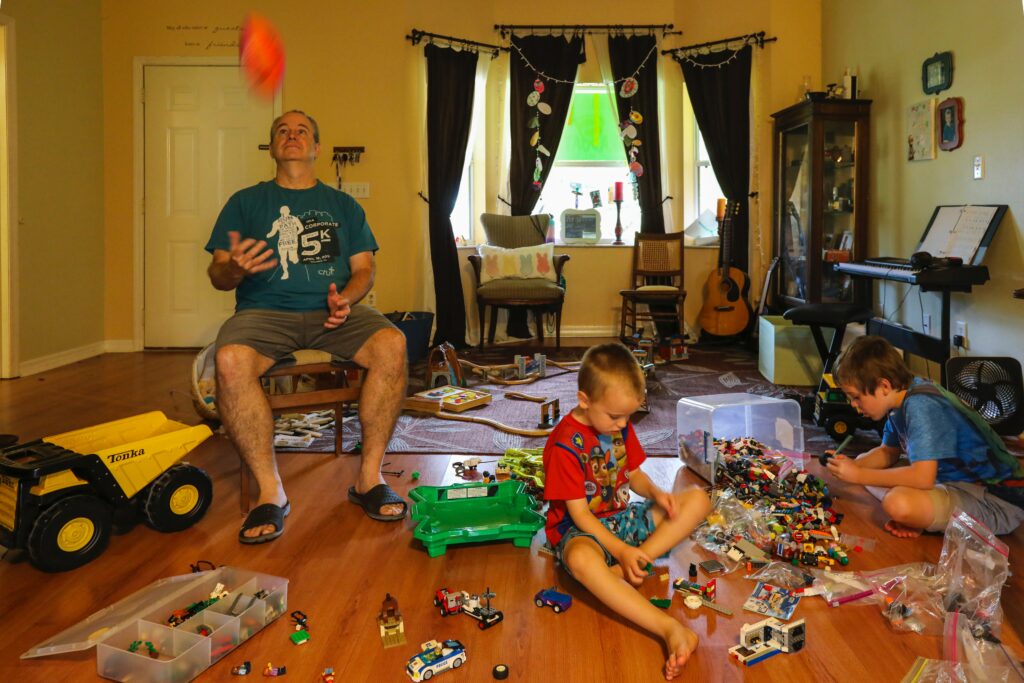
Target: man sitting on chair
(315,307)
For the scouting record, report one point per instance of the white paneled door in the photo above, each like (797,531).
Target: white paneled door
(202,135)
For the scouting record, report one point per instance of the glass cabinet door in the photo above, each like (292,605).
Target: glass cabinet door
(794,205)
(838,228)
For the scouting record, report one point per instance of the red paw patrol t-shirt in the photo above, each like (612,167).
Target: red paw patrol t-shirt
(580,463)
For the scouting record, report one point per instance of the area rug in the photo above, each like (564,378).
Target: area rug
(706,372)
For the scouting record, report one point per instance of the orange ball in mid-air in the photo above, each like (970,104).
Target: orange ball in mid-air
(262,55)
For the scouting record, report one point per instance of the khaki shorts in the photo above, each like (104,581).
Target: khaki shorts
(276,334)
(1000,516)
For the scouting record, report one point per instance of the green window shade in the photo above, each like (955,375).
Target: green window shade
(591,130)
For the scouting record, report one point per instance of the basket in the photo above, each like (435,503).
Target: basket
(204,383)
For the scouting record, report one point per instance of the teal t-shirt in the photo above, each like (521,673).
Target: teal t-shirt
(313,233)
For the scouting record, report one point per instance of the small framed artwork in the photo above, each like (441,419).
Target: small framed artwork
(951,123)
(921,131)
(937,73)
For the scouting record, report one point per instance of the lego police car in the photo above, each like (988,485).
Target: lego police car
(435,658)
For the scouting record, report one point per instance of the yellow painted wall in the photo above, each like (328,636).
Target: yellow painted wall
(60,186)
(887,42)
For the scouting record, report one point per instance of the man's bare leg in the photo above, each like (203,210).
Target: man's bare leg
(380,403)
(246,415)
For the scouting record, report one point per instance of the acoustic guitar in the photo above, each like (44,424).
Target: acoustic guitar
(726,311)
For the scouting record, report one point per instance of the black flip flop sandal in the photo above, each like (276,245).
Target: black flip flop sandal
(262,515)
(376,498)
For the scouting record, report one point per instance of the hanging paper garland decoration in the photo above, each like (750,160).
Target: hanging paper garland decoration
(629,133)
(533,100)
(629,87)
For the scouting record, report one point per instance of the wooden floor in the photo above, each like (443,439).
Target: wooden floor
(340,564)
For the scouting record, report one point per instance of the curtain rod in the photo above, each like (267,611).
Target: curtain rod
(505,29)
(416,36)
(751,38)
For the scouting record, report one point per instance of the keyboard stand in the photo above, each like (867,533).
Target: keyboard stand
(917,343)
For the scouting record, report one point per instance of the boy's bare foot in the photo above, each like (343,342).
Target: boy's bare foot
(681,642)
(901,530)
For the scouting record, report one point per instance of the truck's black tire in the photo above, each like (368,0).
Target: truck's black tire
(70,533)
(177,499)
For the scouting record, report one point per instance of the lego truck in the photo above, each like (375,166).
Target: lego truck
(61,496)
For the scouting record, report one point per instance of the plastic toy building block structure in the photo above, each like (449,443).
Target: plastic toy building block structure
(470,513)
(271,671)
(60,495)
(553,598)
(389,620)
(435,658)
(253,601)
(526,464)
(452,602)
(767,638)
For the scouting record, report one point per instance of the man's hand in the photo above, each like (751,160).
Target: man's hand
(338,306)
(247,257)
(633,562)
(844,468)
(666,501)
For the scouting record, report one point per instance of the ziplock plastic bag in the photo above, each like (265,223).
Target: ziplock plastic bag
(974,566)
(976,650)
(912,597)
(731,519)
(782,574)
(839,588)
(942,671)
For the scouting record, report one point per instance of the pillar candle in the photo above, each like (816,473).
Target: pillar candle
(618,192)
(721,208)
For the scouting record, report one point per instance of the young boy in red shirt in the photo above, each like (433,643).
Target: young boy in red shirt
(591,463)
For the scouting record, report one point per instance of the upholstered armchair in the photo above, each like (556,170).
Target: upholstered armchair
(517,270)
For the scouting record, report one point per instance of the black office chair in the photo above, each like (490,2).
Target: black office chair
(829,407)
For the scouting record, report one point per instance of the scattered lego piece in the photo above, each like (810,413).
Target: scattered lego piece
(415,475)
(500,672)
(693,572)
(767,638)
(271,671)
(663,603)
(300,637)
(552,597)
(453,602)
(435,658)
(300,620)
(718,608)
(389,620)
(693,601)
(150,649)
(327,676)
(242,669)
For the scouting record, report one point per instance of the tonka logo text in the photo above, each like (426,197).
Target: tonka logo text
(127,455)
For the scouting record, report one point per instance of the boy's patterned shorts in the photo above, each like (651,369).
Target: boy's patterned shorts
(632,525)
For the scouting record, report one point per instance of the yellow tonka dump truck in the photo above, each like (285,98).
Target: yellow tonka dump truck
(61,495)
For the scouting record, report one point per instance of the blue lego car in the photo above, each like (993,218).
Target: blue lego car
(553,598)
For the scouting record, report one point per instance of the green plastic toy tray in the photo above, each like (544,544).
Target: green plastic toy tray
(470,513)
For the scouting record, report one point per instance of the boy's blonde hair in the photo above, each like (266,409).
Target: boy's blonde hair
(868,361)
(606,364)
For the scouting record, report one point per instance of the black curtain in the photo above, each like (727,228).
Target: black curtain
(627,54)
(558,58)
(451,77)
(719,87)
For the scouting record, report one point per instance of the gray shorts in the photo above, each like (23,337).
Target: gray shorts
(1001,516)
(276,334)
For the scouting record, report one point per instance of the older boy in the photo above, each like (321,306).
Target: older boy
(952,463)
(591,463)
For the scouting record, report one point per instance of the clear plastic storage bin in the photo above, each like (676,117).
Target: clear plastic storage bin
(775,422)
(183,651)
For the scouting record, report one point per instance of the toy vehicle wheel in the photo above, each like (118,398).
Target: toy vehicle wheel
(428,674)
(837,427)
(443,612)
(538,602)
(500,672)
(70,533)
(178,498)
(556,608)
(457,663)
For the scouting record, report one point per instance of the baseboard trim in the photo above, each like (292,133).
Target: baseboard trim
(61,358)
(588,331)
(69,356)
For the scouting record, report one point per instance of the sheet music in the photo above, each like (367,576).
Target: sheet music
(958,231)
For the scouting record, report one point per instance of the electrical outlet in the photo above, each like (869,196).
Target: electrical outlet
(371,299)
(926,324)
(357,190)
(961,328)
(979,167)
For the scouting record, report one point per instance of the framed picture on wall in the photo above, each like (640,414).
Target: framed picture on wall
(921,131)
(937,73)
(951,123)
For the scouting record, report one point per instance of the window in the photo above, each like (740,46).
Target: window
(591,158)
(462,213)
(708,190)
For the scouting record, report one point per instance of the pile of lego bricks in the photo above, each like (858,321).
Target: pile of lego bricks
(797,504)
